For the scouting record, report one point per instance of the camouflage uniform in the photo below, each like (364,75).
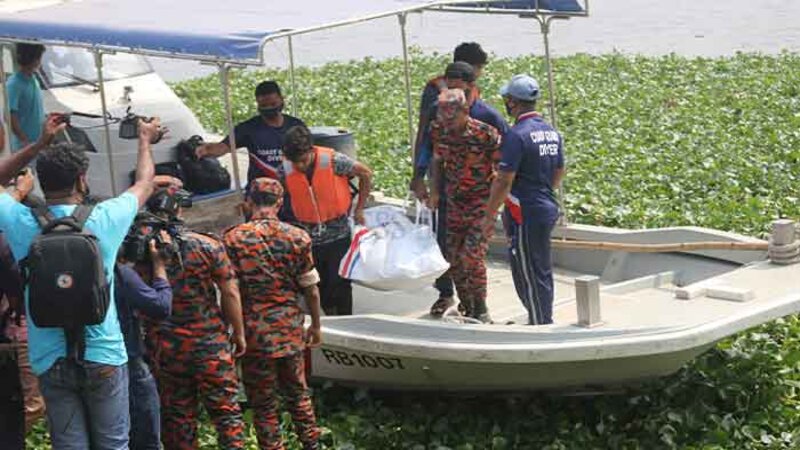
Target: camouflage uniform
(273,262)
(468,168)
(191,351)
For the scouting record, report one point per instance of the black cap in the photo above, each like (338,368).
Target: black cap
(460,71)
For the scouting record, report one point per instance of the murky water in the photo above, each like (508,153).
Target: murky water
(688,27)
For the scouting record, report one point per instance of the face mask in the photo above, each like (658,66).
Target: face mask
(509,108)
(270,113)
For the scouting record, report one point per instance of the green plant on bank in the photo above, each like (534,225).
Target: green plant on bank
(650,142)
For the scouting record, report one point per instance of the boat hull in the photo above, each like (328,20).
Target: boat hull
(389,371)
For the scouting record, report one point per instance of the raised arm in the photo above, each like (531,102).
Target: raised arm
(12,165)
(145,168)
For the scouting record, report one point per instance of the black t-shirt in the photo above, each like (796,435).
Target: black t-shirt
(263,142)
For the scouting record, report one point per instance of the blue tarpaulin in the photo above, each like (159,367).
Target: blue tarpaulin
(221,30)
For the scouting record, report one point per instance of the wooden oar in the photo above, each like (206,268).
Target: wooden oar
(652,248)
(660,248)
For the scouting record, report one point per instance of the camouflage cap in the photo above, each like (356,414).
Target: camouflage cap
(265,191)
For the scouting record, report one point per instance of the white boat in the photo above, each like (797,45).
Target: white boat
(645,331)
(631,328)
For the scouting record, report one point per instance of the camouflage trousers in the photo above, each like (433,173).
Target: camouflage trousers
(263,378)
(467,246)
(191,373)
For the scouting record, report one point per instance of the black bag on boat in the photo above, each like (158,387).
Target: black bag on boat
(204,175)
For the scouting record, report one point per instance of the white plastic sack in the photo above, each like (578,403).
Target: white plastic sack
(395,255)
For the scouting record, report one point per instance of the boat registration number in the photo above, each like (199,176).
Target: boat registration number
(351,359)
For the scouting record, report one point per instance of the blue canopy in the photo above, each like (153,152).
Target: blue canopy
(211,30)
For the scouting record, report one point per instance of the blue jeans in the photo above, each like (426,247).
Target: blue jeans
(145,408)
(87,405)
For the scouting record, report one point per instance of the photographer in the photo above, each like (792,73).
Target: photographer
(152,300)
(192,353)
(86,391)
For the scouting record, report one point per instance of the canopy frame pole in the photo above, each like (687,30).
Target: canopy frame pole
(224,78)
(98,62)
(403,18)
(544,24)
(6,123)
(295,97)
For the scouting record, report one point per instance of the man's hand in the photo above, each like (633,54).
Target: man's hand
(151,131)
(239,345)
(23,185)
(419,189)
(54,124)
(166,181)
(314,336)
(433,200)
(358,217)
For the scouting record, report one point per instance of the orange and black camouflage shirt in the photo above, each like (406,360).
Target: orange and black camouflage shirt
(273,262)
(468,158)
(196,312)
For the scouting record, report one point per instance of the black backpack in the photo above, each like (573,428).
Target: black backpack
(67,286)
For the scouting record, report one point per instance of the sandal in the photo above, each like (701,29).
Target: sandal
(464,310)
(441,305)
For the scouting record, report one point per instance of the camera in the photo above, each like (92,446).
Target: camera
(148,228)
(168,201)
(129,127)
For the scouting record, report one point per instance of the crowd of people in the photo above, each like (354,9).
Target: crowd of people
(179,309)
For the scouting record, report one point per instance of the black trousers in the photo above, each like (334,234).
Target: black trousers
(336,293)
(12,408)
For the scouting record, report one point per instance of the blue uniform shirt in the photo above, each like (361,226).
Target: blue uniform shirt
(533,149)
(134,295)
(25,102)
(263,142)
(109,222)
(479,111)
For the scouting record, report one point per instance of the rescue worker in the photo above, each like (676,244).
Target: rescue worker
(531,170)
(464,152)
(190,350)
(458,75)
(318,199)
(276,272)
(262,135)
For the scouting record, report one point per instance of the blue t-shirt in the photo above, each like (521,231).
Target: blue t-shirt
(25,101)
(109,222)
(479,111)
(533,149)
(263,142)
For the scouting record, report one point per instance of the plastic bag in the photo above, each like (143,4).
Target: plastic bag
(396,254)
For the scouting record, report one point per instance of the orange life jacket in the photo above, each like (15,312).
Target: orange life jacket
(327,197)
